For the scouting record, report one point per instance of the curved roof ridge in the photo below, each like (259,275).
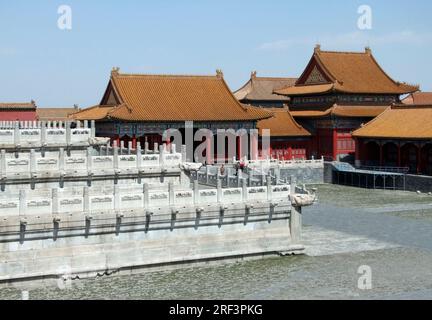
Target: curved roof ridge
(323,66)
(231,94)
(243,92)
(398,83)
(315,58)
(294,121)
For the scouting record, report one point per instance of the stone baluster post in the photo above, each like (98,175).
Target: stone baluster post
(86,200)
(55,201)
(116,198)
(244,190)
(32,162)
(269,188)
(43,134)
(138,155)
(171,194)
(89,160)
(61,160)
(115,155)
(68,133)
(22,202)
(196,192)
(146,197)
(121,146)
(17,134)
(161,156)
(219,190)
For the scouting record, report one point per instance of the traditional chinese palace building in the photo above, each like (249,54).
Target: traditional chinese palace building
(336,93)
(138,107)
(288,139)
(399,137)
(259,91)
(18,111)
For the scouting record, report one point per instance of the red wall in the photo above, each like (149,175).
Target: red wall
(18,115)
(288,150)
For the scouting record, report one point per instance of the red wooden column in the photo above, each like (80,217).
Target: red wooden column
(335,149)
(134,142)
(290,153)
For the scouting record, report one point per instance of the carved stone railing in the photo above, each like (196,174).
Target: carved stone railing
(272,163)
(39,134)
(55,164)
(31,203)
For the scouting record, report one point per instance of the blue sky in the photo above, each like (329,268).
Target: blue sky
(62,67)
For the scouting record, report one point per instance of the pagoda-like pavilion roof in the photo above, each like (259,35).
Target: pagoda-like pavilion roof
(282,124)
(143,97)
(261,88)
(400,122)
(345,72)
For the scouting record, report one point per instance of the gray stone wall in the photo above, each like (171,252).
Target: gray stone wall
(303,175)
(417,183)
(328,172)
(83,245)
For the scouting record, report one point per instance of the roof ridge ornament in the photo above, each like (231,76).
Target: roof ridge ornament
(219,73)
(253,74)
(317,48)
(368,50)
(115,71)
